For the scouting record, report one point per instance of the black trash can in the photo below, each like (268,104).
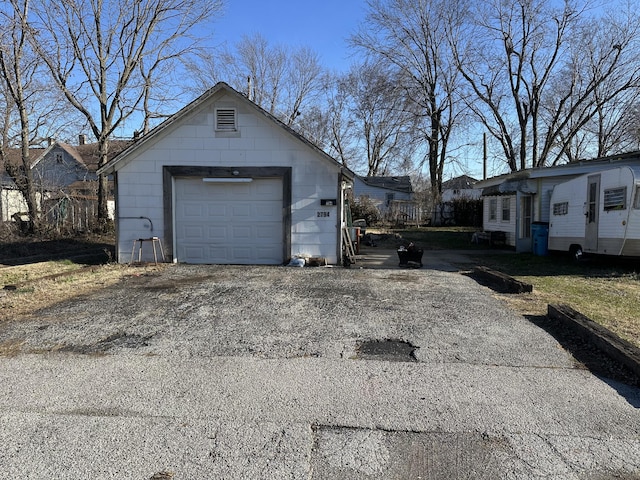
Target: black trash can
(410,256)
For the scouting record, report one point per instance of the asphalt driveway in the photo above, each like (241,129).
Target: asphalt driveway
(275,372)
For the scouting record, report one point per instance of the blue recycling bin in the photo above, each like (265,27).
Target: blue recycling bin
(540,237)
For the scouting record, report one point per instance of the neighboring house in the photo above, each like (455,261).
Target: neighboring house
(65,181)
(512,202)
(393,196)
(457,188)
(460,187)
(224,182)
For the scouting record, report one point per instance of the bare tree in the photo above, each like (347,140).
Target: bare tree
(411,36)
(283,81)
(339,128)
(17,68)
(94,50)
(535,69)
(384,124)
(597,91)
(258,68)
(301,83)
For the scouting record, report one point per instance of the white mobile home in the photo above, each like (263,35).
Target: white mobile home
(514,202)
(597,212)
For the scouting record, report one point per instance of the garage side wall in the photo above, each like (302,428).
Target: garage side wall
(258,144)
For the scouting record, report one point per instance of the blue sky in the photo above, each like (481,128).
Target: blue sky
(323,25)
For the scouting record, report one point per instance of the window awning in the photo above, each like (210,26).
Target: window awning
(509,187)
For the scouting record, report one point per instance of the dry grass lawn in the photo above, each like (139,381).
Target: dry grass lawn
(28,288)
(612,301)
(607,294)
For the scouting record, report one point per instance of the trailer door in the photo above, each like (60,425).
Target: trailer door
(591,214)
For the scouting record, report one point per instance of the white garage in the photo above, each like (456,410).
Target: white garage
(229,220)
(224,182)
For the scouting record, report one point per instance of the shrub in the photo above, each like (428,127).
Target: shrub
(363,207)
(467,212)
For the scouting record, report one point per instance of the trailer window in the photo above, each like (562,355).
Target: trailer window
(636,203)
(561,208)
(615,198)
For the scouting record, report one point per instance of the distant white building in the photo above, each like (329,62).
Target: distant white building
(393,196)
(460,187)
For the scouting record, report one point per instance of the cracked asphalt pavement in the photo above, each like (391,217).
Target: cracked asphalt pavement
(256,372)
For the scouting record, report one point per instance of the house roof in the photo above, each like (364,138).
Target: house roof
(89,152)
(398,184)
(13,156)
(86,154)
(573,168)
(122,158)
(463,182)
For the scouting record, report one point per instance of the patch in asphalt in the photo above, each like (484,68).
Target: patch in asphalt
(357,453)
(117,340)
(390,350)
(162,476)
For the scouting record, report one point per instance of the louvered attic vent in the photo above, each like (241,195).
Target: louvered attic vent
(226,120)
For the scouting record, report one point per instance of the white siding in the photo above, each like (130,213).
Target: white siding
(572,224)
(12,202)
(546,189)
(498,225)
(377,194)
(613,223)
(259,142)
(468,193)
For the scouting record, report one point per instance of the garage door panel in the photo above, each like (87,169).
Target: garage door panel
(193,232)
(194,252)
(242,232)
(265,232)
(192,210)
(241,210)
(268,191)
(217,254)
(268,209)
(229,223)
(242,253)
(217,210)
(218,232)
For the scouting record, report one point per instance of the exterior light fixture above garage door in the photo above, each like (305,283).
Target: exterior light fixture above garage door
(227,180)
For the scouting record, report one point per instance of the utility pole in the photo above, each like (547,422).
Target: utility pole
(484,156)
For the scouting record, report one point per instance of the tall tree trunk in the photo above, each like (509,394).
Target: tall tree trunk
(103,184)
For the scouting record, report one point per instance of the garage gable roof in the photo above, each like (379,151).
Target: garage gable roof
(140,144)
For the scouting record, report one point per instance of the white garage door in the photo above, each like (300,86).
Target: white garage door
(229,223)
